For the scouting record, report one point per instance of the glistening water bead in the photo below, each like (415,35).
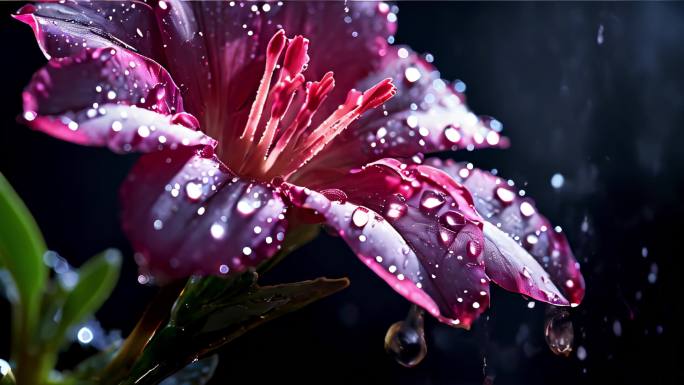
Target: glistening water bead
(559,332)
(405,340)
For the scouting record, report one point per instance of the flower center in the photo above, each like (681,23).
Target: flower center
(279,145)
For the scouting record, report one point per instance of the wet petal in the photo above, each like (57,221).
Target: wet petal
(64,29)
(502,205)
(109,97)
(427,115)
(416,229)
(215,50)
(185,214)
(514,269)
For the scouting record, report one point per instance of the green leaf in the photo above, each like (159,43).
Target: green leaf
(214,311)
(21,248)
(197,373)
(96,280)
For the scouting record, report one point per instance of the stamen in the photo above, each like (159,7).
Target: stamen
(275,48)
(355,105)
(280,151)
(316,93)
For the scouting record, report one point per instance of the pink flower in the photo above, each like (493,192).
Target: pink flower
(239,147)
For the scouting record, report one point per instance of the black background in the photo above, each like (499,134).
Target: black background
(609,117)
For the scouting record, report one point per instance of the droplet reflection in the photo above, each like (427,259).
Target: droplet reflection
(559,332)
(405,340)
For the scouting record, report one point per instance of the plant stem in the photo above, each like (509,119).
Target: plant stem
(155,315)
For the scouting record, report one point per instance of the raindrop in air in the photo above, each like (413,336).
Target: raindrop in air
(405,340)
(557,181)
(559,332)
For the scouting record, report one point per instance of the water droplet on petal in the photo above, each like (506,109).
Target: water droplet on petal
(452,220)
(412,74)
(360,217)
(474,248)
(452,134)
(245,208)
(217,230)
(430,202)
(505,195)
(526,209)
(405,340)
(193,190)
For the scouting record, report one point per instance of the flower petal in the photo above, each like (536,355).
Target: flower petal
(426,115)
(64,29)
(186,214)
(501,205)
(415,228)
(216,50)
(109,97)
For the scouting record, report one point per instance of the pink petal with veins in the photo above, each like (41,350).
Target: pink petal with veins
(216,51)
(185,214)
(500,204)
(110,97)
(64,29)
(426,115)
(416,228)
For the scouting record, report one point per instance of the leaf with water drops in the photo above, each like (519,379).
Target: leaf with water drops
(21,251)
(214,311)
(95,281)
(414,227)
(121,100)
(501,204)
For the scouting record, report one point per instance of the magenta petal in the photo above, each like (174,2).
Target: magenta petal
(426,115)
(109,97)
(216,50)
(501,205)
(186,214)
(416,228)
(514,269)
(64,29)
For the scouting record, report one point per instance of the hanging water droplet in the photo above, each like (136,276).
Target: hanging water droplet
(405,340)
(559,332)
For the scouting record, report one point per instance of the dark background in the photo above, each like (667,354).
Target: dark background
(593,91)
